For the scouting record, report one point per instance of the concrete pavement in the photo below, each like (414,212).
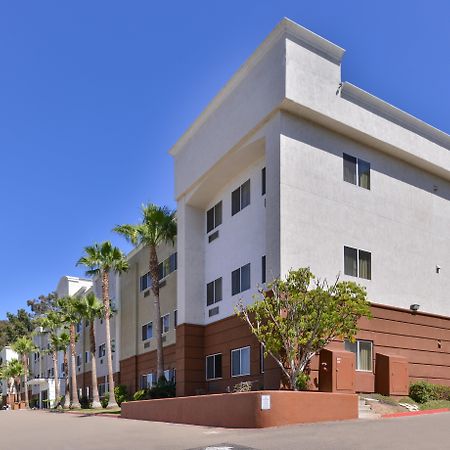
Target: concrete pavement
(39,430)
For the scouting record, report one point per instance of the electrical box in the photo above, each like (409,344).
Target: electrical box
(336,371)
(391,375)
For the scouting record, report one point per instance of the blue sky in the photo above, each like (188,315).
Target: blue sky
(94,93)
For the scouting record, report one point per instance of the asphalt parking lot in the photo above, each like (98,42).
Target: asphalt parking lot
(40,430)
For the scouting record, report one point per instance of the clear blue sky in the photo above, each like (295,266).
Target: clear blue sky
(94,93)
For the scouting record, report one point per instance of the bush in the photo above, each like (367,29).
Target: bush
(243,386)
(441,392)
(121,394)
(422,391)
(302,381)
(142,394)
(85,403)
(104,401)
(163,389)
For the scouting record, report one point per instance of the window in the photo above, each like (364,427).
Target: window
(62,369)
(165,323)
(263,269)
(261,356)
(147,331)
(240,279)
(263,181)
(214,292)
(175,318)
(148,380)
(214,366)
(214,217)
(240,198)
(113,345)
(240,362)
(78,327)
(145,282)
(169,375)
(357,263)
(363,351)
(168,266)
(103,388)
(86,357)
(356,171)
(101,350)
(78,360)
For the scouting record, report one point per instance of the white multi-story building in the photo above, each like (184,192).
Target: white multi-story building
(7,354)
(289,166)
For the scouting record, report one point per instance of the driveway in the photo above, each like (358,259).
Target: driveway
(39,430)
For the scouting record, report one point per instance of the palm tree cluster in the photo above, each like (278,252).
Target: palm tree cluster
(58,317)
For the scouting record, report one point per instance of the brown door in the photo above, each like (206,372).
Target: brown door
(345,372)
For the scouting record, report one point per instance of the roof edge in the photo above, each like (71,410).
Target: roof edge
(285,27)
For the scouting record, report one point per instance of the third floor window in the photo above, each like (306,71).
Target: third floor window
(240,198)
(214,217)
(356,171)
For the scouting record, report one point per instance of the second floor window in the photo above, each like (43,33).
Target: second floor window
(214,217)
(214,292)
(147,331)
(240,279)
(240,198)
(357,263)
(165,323)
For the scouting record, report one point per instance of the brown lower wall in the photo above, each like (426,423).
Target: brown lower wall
(243,410)
(131,369)
(84,381)
(423,339)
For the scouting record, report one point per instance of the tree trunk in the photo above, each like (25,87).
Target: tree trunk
(105,291)
(25,379)
(75,403)
(154,273)
(95,398)
(66,376)
(56,378)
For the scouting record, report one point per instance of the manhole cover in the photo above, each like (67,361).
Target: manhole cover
(223,446)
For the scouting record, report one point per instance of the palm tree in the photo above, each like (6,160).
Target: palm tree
(24,346)
(101,259)
(63,344)
(52,323)
(12,372)
(70,312)
(90,309)
(158,227)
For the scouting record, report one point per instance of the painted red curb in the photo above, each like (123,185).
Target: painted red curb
(415,413)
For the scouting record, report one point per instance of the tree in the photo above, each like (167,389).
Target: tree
(11,372)
(43,304)
(20,324)
(3,336)
(158,226)
(294,321)
(24,346)
(101,259)
(52,323)
(69,310)
(90,309)
(63,345)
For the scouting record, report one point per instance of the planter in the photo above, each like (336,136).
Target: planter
(259,409)
(22,405)
(15,406)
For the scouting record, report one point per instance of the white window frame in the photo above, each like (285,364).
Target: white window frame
(168,323)
(206,366)
(240,361)
(357,355)
(358,250)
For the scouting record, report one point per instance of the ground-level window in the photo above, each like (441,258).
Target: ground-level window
(363,351)
(214,366)
(240,362)
(169,375)
(148,380)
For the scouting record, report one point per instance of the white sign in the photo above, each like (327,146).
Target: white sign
(265,401)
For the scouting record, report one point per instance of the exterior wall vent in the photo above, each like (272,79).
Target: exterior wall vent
(213,236)
(213,311)
(146,344)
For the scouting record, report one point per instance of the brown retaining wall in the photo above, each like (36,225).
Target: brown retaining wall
(243,410)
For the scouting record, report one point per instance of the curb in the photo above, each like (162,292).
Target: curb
(415,413)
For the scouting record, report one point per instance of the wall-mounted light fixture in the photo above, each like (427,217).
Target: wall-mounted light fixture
(438,269)
(414,307)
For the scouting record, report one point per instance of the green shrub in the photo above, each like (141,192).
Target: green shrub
(121,394)
(85,403)
(142,394)
(104,401)
(302,381)
(441,392)
(422,391)
(163,389)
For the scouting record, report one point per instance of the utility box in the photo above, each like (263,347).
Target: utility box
(391,375)
(336,371)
